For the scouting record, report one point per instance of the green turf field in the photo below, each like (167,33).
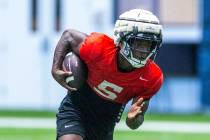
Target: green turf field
(26,134)
(148,116)
(27,113)
(128,135)
(49,134)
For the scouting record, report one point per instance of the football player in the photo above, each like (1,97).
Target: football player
(119,69)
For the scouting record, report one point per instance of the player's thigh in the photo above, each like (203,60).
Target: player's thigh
(108,136)
(95,132)
(70,137)
(67,128)
(69,122)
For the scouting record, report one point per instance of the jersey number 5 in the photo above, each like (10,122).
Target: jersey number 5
(108,90)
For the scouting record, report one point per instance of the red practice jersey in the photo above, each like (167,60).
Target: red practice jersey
(100,55)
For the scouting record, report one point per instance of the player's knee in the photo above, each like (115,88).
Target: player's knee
(70,137)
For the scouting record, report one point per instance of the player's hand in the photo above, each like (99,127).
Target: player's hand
(138,108)
(60,76)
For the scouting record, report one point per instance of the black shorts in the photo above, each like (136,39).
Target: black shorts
(85,114)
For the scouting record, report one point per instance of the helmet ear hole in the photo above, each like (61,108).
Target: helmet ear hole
(122,36)
(135,30)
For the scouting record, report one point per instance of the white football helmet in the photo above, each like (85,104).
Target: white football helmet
(134,25)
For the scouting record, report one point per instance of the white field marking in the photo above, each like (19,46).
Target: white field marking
(154,126)
(10,122)
(170,126)
(69,79)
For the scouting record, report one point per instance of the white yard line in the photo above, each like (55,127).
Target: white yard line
(27,122)
(155,126)
(170,126)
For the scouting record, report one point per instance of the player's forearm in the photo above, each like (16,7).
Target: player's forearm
(70,41)
(135,123)
(62,48)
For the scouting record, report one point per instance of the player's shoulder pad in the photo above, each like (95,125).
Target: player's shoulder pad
(155,72)
(155,79)
(97,38)
(94,47)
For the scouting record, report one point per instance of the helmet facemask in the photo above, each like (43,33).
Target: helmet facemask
(133,49)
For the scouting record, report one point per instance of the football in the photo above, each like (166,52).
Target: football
(75,65)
